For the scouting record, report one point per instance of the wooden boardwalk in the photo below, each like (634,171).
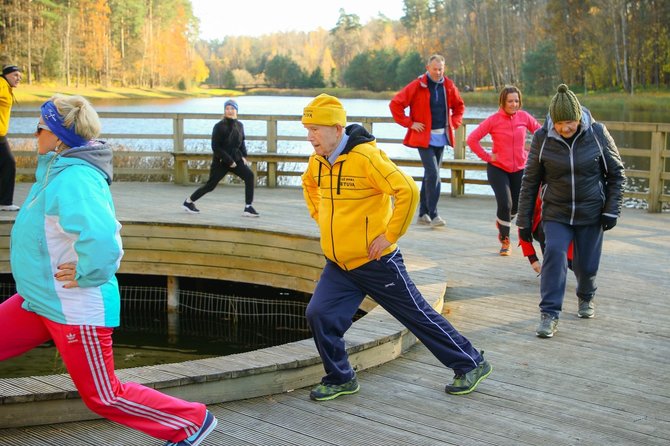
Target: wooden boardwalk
(597,382)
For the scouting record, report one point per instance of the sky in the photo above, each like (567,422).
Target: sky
(220,18)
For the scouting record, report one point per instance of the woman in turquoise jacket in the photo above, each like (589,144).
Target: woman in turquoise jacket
(65,250)
(508,128)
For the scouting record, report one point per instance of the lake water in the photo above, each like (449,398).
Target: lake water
(293,106)
(249,105)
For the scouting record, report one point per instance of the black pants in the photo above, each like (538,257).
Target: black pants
(506,187)
(7,173)
(218,170)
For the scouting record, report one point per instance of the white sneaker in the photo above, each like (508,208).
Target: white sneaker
(438,221)
(9,207)
(423,219)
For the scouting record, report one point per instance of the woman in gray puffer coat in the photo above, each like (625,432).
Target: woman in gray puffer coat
(577,164)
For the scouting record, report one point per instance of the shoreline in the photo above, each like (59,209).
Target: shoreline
(644,101)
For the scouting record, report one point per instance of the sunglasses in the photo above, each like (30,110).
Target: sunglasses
(41,127)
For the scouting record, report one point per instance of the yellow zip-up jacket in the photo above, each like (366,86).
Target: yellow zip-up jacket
(6,101)
(362,195)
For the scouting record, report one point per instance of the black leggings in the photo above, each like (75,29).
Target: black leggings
(218,170)
(7,173)
(506,187)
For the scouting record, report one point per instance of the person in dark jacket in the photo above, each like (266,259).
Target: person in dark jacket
(230,154)
(577,164)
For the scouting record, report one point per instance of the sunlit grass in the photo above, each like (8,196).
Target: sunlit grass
(42,92)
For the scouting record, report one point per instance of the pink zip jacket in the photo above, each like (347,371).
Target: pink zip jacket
(509,139)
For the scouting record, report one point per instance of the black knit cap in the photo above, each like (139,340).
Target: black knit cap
(9,69)
(564,105)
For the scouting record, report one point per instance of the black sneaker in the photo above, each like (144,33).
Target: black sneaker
(466,383)
(190,208)
(249,211)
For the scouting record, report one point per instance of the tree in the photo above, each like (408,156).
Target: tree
(373,70)
(283,72)
(346,39)
(410,66)
(315,79)
(539,70)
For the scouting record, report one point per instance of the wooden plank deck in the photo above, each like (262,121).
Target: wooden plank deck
(599,381)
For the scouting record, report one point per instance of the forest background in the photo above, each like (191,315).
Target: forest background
(592,45)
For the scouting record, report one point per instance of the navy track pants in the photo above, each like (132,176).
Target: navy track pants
(338,295)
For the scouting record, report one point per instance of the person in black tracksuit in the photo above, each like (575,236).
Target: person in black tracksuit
(229,156)
(577,164)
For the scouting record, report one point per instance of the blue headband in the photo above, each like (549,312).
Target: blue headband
(54,121)
(231,102)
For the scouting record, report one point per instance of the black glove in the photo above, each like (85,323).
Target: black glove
(607,222)
(526,234)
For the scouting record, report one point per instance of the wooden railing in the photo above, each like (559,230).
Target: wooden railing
(182,166)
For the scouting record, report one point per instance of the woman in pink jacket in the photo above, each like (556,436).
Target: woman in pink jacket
(507,158)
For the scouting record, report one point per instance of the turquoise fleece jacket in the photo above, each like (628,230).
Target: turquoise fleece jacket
(69,216)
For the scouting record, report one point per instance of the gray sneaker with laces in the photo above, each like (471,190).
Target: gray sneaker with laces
(587,309)
(466,383)
(326,392)
(548,326)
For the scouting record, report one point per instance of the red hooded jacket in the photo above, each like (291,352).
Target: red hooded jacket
(416,96)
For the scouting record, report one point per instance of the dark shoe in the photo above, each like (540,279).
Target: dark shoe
(548,326)
(326,392)
(464,384)
(424,219)
(190,208)
(195,439)
(249,211)
(587,309)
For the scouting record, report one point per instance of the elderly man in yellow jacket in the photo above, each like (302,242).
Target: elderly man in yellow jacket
(363,203)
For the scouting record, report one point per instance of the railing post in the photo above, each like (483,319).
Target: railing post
(173,308)
(458,176)
(656,171)
(180,165)
(272,148)
(367,125)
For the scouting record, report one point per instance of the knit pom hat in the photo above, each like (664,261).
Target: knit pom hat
(324,110)
(564,105)
(231,102)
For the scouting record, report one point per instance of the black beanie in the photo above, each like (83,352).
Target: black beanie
(9,69)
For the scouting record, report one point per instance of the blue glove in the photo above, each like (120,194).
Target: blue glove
(607,222)
(526,234)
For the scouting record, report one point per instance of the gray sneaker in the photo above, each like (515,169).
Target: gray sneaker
(326,392)
(466,383)
(548,326)
(587,309)
(423,219)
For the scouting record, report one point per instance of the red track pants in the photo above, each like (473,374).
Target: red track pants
(87,353)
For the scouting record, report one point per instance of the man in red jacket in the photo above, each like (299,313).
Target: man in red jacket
(435,111)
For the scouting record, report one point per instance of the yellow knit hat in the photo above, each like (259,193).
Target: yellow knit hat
(324,110)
